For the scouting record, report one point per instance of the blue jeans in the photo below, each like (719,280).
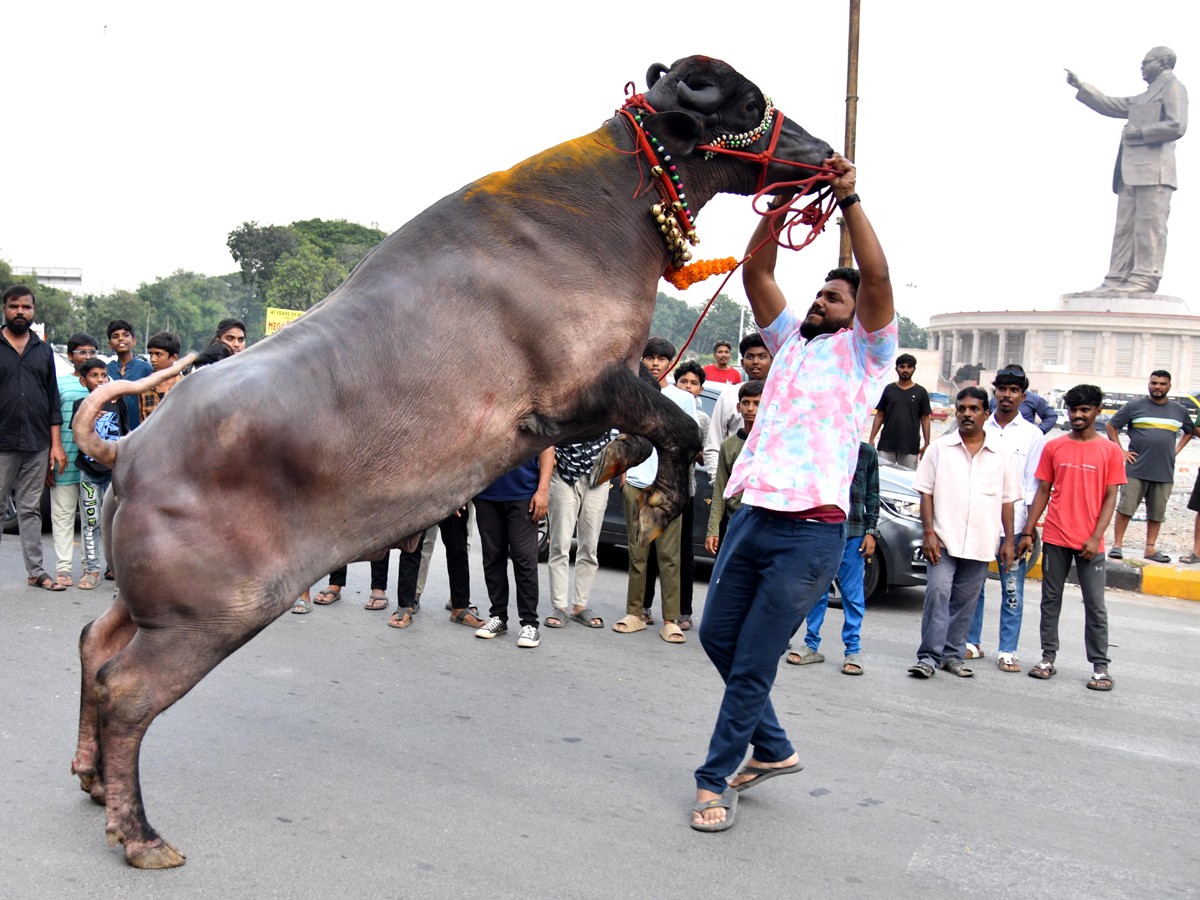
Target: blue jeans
(854,602)
(770,571)
(951,593)
(1012,603)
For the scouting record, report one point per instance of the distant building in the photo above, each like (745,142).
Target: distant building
(53,276)
(1106,339)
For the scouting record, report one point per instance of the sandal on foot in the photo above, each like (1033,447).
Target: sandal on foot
(1100,681)
(921,670)
(1042,670)
(852,666)
(1006,662)
(762,773)
(377,601)
(956,668)
(88,581)
(1188,559)
(466,616)
(672,634)
(805,657)
(402,617)
(684,622)
(629,625)
(586,617)
(45,582)
(728,801)
(64,578)
(302,605)
(327,597)
(556,619)
(1157,556)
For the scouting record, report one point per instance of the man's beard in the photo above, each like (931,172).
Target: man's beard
(16,325)
(808,330)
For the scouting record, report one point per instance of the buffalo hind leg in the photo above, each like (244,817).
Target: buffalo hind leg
(99,642)
(636,406)
(156,668)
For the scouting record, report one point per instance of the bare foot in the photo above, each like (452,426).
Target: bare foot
(738,780)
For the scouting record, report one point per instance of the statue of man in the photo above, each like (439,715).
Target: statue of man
(1144,178)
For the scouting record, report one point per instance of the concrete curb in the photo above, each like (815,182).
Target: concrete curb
(1159,580)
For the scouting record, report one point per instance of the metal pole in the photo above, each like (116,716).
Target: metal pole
(845,258)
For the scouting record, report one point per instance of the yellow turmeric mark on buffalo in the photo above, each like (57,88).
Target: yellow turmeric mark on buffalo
(523,180)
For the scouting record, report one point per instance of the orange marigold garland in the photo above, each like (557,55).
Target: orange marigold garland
(696,272)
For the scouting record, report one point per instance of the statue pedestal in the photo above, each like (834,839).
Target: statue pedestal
(1123,302)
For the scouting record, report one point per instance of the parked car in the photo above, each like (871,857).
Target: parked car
(898,559)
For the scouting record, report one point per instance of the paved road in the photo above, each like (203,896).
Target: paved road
(333,757)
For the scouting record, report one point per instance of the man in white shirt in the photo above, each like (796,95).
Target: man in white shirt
(968,485)
(726,419)
(1023,441)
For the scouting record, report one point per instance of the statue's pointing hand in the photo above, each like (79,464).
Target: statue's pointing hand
(1072,79)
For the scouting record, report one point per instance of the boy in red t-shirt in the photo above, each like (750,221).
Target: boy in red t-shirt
(1083,471)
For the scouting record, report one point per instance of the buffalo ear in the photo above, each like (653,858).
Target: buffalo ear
(655,72)
(678,131)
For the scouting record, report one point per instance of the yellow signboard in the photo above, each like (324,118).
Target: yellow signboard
(277,318)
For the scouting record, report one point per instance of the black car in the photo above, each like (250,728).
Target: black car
(898,560)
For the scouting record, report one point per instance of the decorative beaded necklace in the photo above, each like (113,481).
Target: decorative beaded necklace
(672,214)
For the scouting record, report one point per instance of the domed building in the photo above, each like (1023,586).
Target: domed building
(1113,340)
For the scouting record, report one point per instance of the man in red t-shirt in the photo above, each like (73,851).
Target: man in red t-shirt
(722,371)
(1078,476)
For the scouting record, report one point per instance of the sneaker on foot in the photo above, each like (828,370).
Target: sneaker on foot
(528,637)
(495,626)
(974,651)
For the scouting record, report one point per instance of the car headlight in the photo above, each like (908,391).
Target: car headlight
(902,506)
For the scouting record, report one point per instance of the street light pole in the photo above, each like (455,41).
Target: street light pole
(845,258)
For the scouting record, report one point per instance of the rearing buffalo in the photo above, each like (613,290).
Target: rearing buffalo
(548,271)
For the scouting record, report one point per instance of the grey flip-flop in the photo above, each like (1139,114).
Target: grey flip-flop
(585,616)
(728,801)
(762,773)
(560,615)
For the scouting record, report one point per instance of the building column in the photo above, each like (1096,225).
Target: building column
(1065,351)
(1001,347)
(976,346)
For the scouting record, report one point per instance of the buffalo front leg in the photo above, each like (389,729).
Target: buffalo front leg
(99,642)
(638,407)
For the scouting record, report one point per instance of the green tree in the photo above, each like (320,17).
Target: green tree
(912,335)
(55,307)
(303,277)
(347,242)
(257,248)
(191,305)
(674,320)
(95,311)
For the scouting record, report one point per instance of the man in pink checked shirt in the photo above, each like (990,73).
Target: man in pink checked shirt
(784,544)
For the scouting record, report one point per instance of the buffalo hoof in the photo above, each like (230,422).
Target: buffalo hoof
(619,454)
(158,855)
(654,514)
(97,792)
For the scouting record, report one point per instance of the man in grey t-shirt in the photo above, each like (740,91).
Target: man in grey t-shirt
(1155,425)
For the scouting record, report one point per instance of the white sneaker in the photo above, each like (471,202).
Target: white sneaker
(495,626)
(974,651)
(528,637)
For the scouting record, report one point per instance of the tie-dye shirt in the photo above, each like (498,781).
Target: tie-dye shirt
(818,395)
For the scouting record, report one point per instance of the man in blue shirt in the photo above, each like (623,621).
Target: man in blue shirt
(122,340)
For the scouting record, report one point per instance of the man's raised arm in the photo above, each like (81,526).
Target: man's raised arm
(874,308)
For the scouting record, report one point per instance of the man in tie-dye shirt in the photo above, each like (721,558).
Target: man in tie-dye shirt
(784,543)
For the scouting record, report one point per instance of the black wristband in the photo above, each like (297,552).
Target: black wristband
(849,200)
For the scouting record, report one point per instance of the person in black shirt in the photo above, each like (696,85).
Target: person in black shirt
(903,414)
(30,425)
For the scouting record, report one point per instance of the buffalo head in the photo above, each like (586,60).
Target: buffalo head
(700,99)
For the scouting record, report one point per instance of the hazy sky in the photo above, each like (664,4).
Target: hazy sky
(140,134)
